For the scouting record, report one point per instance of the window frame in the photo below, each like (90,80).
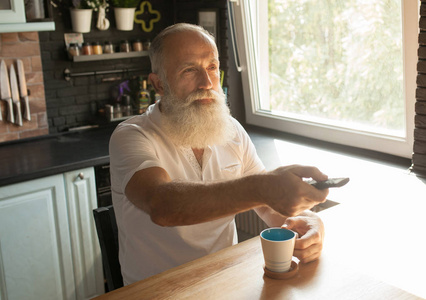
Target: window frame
(245,34)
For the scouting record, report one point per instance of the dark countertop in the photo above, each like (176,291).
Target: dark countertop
(53,154)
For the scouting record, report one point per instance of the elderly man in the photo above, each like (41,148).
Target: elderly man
(182,170)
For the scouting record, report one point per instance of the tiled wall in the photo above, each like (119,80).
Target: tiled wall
(59,105)
(25,46)
(77,102)
(419,151)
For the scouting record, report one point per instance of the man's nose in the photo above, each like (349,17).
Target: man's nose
(204,81)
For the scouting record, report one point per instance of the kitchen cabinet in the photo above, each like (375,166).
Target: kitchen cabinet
(12,18)
(29,26)
(87,260)
(12,11)
(48,241)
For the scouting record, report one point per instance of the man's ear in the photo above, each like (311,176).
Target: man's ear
(156,83)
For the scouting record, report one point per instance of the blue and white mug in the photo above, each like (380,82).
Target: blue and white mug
(278,247)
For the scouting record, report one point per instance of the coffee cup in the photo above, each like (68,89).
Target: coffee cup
(278,247)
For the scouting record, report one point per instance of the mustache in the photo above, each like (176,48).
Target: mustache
(203,94)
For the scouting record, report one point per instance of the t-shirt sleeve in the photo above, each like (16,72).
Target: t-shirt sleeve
(130,151)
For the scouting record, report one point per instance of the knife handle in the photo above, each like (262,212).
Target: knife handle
(27,113)
(10,115)
(18,113)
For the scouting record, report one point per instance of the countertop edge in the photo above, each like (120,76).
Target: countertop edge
(54,171)
(54,154)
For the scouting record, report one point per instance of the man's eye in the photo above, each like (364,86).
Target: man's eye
(189,70)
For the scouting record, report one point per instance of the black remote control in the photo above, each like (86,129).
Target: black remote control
(329,183)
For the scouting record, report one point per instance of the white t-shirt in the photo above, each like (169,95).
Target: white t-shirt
(147,249)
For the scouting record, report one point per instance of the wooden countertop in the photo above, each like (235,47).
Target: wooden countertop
(237,273)
(383,203)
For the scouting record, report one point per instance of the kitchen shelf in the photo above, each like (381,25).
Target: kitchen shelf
(29,26)
(117,55)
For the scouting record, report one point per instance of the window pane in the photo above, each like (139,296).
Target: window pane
(337,61)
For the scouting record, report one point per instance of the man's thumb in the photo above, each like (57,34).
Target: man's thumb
(288,224)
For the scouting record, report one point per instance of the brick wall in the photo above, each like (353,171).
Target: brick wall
(419,155)
(25,46)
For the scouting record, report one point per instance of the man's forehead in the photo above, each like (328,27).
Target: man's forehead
(190,35)
(186,39)
(190,46)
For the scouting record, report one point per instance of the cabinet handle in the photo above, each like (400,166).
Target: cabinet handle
(81,175)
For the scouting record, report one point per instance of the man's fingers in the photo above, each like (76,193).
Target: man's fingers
(310,172)
(308,254)
(308,259)
(315,194)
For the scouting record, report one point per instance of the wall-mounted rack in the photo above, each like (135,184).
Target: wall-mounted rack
(68,74)
(107,56)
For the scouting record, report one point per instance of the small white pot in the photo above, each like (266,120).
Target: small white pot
(81,19)
(124,18)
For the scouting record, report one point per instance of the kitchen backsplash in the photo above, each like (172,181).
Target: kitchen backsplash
(79,101)
(25,46)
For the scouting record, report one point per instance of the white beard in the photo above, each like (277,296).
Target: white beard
(197,125)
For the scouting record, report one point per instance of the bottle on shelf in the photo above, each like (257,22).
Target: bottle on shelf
(143,96)
(108,47)
(127,105)
(137,45)
(96,48)
(154,96)
(125,46)
(73,50)
(87,49)
(147,45)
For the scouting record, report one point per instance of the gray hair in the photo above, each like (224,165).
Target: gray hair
(156,51)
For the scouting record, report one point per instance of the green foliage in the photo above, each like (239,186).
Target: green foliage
(80,4)
(125,3)
(335,59)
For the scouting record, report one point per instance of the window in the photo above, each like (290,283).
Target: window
(335,70)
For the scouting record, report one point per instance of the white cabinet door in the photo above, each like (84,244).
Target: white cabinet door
(82,199)
(35,248)
(12,11)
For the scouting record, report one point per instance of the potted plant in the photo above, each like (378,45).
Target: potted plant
(124,11)
(81,12)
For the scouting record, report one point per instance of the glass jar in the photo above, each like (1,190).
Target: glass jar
(87,49)
(108,47)
(117,111)
(124,46)
(137,45)
(147,44)
(97,48)
(73,50)
(127,106)
(109,111)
